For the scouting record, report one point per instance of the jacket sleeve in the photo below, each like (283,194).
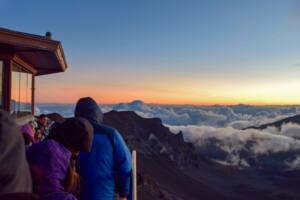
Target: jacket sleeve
(123,165)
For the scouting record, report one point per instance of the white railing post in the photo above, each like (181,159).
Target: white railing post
(134,176)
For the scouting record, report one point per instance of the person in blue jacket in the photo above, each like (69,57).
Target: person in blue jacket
(107,168)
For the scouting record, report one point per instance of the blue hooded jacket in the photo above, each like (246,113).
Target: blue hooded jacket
(108,166)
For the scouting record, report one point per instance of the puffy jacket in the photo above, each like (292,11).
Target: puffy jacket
(49,162)
(108,166)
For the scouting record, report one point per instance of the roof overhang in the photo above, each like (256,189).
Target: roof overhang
(44,55)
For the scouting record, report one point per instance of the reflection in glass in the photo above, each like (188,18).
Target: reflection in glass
(21,91)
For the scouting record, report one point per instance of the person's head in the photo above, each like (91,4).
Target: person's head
(88,108)
(54,131)
(42,120)
(38,136)
(28,133)
(55,117)
(14,170)
(76,134)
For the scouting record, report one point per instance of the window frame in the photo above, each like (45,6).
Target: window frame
(9,59)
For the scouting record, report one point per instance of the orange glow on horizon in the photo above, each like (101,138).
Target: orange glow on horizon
(177,92)
(117,96)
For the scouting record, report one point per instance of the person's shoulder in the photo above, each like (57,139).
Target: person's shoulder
(101,128)
(112,133)
(45,152)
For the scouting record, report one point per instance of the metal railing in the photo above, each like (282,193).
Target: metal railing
(134,176)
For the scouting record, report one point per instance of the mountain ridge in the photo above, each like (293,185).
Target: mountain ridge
(278,124)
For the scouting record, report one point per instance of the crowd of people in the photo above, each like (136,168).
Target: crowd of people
(79,158)
(36,131)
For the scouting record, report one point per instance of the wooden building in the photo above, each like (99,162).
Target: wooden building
(24,56)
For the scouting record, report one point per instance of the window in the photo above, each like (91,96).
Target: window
(21,91)
(1,84)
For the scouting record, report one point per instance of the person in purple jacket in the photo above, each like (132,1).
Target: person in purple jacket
(107,168)
(50,160)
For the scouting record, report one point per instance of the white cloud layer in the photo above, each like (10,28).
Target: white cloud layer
(239,116)
(268,148)
(216,131)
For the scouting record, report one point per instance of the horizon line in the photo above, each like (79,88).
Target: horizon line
(175,104)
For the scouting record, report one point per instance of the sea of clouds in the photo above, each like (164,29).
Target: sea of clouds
(217,131)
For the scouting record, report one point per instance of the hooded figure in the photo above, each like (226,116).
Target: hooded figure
(108,166)
(14,171)
(50,160)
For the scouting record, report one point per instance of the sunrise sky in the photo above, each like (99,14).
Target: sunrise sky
(167,51)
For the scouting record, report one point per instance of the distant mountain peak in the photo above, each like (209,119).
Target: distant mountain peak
(137,102)
(136,105)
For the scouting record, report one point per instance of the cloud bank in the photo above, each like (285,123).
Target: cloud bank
(216,131)
(239,116)
(269,148)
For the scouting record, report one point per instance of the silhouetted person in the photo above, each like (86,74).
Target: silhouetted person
(42,126)
(15,178)
(108,166)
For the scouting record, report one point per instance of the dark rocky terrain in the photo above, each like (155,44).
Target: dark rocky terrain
(161,158)
(170,168)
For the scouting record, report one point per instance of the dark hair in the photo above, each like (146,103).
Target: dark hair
(27,139)
(75,133)
(54,132)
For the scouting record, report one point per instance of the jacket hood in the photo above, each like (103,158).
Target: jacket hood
(14,171)
(88,108)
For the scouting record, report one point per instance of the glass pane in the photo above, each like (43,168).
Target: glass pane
(29,92)
(15,83)
(21,91)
